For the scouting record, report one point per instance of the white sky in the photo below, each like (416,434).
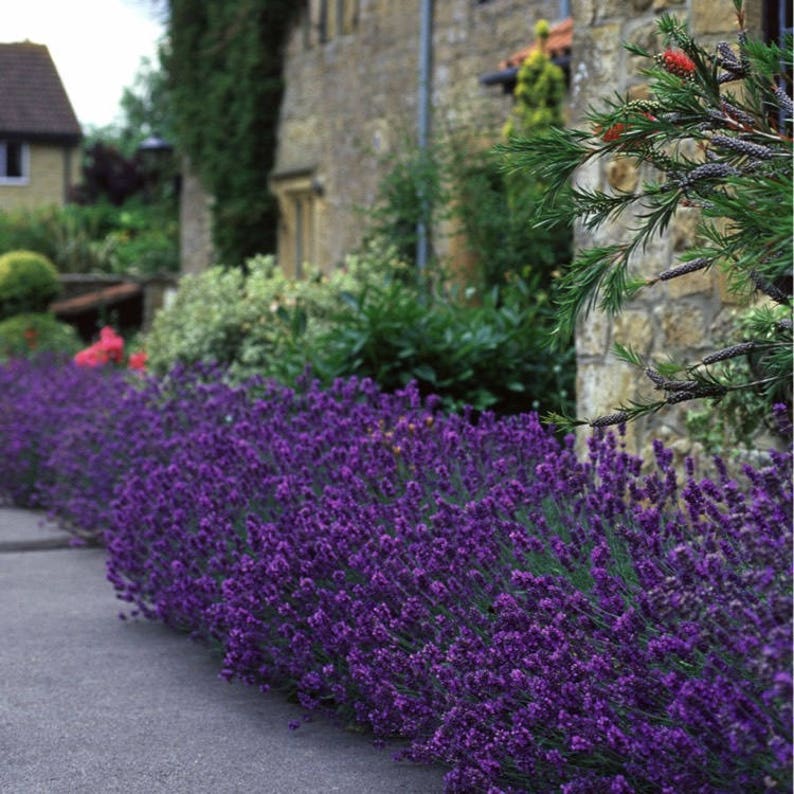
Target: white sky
(97,46)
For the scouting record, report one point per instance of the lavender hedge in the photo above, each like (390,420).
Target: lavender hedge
(531,620)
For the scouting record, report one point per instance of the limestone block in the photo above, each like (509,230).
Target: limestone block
(729,295)
(601,388)
(670,429)
(683,326)
(683,228)
(639,91)
(667,5)
(593,334)
(607,9)
(723,328)
(634,328)
(712,16)
(699,282)
(652,258)
(605,46)
(587,176)
(622,174)
(646,36)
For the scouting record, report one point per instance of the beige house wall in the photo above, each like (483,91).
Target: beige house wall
(53,171)
(350,103)
(680,318)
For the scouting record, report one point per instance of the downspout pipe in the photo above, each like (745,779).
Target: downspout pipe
(423,124)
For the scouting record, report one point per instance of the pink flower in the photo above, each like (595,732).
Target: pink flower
(112,344)
(137,360)
(93,356)
(110,347)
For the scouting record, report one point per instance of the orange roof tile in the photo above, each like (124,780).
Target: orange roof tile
(558,43)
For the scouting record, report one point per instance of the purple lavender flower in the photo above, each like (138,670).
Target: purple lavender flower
(529,619)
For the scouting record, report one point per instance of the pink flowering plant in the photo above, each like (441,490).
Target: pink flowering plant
(531,620)
(109,349)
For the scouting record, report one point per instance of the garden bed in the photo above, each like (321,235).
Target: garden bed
(532,620)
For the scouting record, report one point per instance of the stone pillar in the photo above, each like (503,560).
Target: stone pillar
(195,223)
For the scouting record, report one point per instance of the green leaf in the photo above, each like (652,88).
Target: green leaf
(425,372)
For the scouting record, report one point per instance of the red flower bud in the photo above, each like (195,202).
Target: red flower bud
(676,62)
(614,132)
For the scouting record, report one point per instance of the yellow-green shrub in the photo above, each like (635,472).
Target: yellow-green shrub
(258,321)
(28,283)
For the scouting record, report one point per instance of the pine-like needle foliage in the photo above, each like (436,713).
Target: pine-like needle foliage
(717,131)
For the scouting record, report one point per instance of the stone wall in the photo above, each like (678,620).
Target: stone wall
(350,105)
(681,317)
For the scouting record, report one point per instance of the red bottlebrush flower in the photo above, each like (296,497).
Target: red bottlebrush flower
(619,128)
(676,62)
(614,132)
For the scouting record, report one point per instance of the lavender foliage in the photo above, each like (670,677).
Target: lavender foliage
(532,620)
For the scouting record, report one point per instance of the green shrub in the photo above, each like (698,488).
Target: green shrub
(367,319)
(135,239)
(68,236)
(27,335)
(539,92)
(489,356)
(459,183)
(28,283)
(257,321)
(143,240)
(496,213)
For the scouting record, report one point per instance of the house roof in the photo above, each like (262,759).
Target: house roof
(558,48)
(558,45)
(33,101)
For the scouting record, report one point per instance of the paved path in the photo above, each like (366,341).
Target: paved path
(93,705)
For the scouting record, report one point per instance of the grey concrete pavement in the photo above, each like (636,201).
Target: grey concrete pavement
(92,704)
(26,530)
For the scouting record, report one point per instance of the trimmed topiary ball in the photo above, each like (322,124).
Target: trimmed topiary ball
(28,283)
(27,335)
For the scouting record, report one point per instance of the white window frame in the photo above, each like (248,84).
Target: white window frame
(24,179)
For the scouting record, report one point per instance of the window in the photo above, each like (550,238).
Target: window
(322,25)
(297,193)
(14,166)
(346,16)
(302,242)
(324,20)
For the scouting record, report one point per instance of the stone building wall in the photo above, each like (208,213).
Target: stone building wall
(679,318)
(350,105)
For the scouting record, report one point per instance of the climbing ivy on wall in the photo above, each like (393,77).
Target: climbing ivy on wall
(224,70)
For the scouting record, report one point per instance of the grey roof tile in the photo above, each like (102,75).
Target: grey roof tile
(33,101)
